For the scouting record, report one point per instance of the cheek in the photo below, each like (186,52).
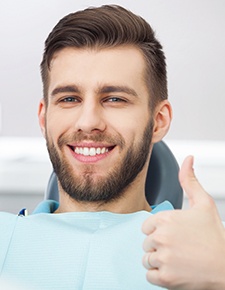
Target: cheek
(56,125)
(130,131)
(132,125)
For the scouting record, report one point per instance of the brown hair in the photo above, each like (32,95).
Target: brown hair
(109,26)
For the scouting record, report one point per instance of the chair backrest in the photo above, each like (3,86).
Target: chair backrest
(162,179)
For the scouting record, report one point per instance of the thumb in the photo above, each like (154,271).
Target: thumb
(197,196)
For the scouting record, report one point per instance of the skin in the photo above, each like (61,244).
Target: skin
(97,91)
(185,248)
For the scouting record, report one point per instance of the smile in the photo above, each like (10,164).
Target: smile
(86,151)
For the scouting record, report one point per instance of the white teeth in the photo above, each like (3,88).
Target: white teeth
(85,151)
(90,151)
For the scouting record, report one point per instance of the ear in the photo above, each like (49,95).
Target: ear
(41,116)
(162,120)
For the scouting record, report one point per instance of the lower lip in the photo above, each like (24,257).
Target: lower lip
(89,159)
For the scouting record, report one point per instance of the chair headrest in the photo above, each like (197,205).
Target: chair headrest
(162,181)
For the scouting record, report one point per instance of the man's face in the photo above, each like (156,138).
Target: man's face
(97,124)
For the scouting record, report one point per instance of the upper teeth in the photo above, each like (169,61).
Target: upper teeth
(90,151)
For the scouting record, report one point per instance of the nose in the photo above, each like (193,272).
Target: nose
(90,119)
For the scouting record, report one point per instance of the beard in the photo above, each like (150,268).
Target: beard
(106,189)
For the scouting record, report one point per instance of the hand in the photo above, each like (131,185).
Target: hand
(185,249)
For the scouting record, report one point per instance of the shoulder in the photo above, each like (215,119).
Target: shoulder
(8,223)
(46,206)
(7,219)
(166,205)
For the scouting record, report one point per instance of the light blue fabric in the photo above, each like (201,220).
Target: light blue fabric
(78,250)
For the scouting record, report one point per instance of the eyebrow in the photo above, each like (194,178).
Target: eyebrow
(102,90)
(117,89)
(65,89)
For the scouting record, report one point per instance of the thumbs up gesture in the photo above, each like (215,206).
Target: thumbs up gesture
(185,249)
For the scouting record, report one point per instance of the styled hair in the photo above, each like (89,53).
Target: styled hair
(109,26)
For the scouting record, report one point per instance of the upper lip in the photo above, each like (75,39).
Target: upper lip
(91,145)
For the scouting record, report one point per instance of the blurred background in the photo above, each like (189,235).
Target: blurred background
(192,34)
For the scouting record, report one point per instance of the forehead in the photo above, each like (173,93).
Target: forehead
(123,65)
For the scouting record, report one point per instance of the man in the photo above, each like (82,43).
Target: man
(107,94)
(105,105)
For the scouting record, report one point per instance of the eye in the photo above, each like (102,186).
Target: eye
(69,100)
(115,100)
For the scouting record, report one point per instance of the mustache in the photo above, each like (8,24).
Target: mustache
(99,137)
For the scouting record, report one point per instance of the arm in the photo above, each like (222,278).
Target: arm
(185,249)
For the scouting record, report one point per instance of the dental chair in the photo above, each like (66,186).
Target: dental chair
(162,179)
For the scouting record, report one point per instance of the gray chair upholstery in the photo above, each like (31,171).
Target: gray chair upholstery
(162,179)
(161,183)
